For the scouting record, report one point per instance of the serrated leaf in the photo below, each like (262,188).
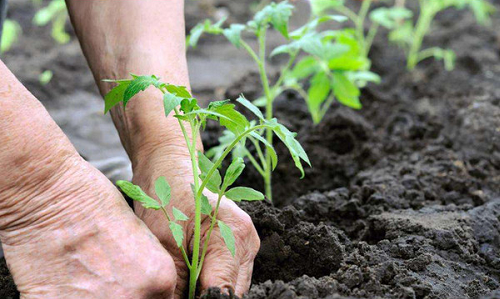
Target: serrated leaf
(138,84)
(163,190)
(178,90)
(318,92)
(269,147)
(170,101)
(135,192)
(288,138)
(178,215)
(305,68)
(233,34)
(115,96)
(243,101)
(227,234)
(280,16)
(205,165)
(244,193)
(206,207)
(233,172)
(178,233)
(346,91)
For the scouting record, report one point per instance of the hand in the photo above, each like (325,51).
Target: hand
(220,268)
(77,238)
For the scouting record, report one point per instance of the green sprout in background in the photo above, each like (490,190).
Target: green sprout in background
(56,14)
(410,36)
(178,102)
(10,34)
(331,62)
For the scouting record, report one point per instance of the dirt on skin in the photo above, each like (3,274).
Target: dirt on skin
(403,200)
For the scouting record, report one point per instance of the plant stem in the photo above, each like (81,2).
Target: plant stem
(207,239)
(261,62)
(255,163)
(269,111)
(423,24)
(193,275)
(224,155)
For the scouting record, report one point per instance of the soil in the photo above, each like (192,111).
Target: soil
(403,199)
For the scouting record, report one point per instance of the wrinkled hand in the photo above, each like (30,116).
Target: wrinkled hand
(220,268)
(73,236)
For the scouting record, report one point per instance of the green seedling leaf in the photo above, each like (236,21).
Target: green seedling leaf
(305,68)
(11,32)
(243,101)
(318,92)
(280,16)
(205,27)
(346,91)
(233,172)
(227,234)
(206,207)
(320,6)
(45,77)
(288,138)
(189,105)
(138,84)
(233,34)
(178,233)
(205,165)
(269,147)
(178,215)
(180,91)
(135,192)
(390,18)
(244,193)
(163,190)
(170,101)
(232,119)
(116,94)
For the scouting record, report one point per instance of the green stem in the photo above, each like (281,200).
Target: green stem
(360,24)
(255,163)
(423,24)
(259,151)
(209,233)
(370,37)
(224,155)
(261,62)
(193,275)
(269,111)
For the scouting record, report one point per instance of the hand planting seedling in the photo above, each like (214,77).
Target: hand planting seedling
(333,63)
(410,36)
(206,175)
(56,14)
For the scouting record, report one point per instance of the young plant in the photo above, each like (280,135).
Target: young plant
(385,17)
(56,14)
(332,62)
(177,101)
(10,34)
(410,36)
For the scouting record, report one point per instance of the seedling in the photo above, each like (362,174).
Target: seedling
(10,35)
(56,14)
(332,63)
(410,36)
(177,101)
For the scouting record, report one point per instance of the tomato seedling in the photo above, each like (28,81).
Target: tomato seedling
(10,34)
(177,101)
(331,61)
(410,36)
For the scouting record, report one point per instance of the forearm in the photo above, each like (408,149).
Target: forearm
(144,37)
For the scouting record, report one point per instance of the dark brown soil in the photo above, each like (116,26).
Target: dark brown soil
(403,200)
